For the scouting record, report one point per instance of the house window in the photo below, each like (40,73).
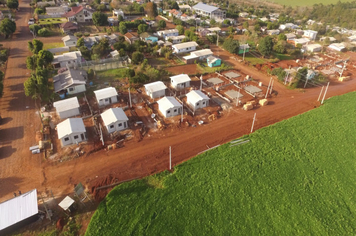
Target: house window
(111,126)
(76,137)
(74,43)
(168,111)
(106,99)
(80,15)
(66,139)
(197,103)
(175,110)
(203,103)
(71,89)
(120,124)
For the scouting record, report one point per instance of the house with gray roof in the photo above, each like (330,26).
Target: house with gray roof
(71,81)
(209,11)
(67,59)
(67,107)
(56,12)
(70,41)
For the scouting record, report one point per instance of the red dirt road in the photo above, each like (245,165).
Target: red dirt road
(20,170)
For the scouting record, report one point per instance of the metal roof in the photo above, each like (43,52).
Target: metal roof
(180,78)
(185,45)
(68,79)
(195,96)
(67,56)
(105,93)
(205,7)
(168,103)
(155,86)
(167,31)
(68,38)
(112,115)
(203,52)
(70,126)
(114,53)
(18,208)
(213,29)
(66,203)
(66,104)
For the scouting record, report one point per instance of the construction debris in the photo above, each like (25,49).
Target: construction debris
(263,102)
(248,106)
(344,78)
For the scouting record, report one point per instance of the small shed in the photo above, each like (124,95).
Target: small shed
(71,131)
(244,48)
(169,107)
(67,204)
(114,119)
(106,96)
(213,61)
(18,211)
(67,107)
(197,99)
(180,81)
(155,89)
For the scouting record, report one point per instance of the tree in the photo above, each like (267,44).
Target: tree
(35,46)
(142,28)
(212,22)
(151,9)
(175,5)
(129,73)
(86,53)
(7,27)
(231,45)
(162,24)
(265,46)
(282,37)
(180,29)
(300,78)
(44,32)
(130,8)
(73,4)
(122,28)
(137,58)
(12,4)
(280,73)
(226,22)
(100,18)
(39,11)
(35,28)
(101,49)
(80,42)
(245,25)
(46,56)
(257,27)
(120,18)
(280,47)
(31,62)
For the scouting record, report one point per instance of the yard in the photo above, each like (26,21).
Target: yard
(47,46)
(49,21)
(291,178)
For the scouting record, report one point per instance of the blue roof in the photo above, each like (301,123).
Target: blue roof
(205,7)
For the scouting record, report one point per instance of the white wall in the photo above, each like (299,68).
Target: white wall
(181,85)
(117,126)
(106,101)
(157,94)
(77,89)
(202,103)
(73,139)
(70,43)
(188,49)
(172,112)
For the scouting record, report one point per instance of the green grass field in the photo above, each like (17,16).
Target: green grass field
(293,178)
(302,3)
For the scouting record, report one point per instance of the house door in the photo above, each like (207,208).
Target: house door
(82,136)
(109,100)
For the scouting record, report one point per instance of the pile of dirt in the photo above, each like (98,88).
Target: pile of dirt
(100,194)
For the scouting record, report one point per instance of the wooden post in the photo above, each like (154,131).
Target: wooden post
(327,86)
(170,157)
(271,88)
(269,83)
(130,98)
(253,122)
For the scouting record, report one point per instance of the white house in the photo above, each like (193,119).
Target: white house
(167,33)
(184,47)
(331,39)
(198,55)
(209,11)
(106,96)
(301,41)
(71,81)
(176,39)
(169,107)
(55,12)
(67,59)
(243,14)
(313,47)
(155,89)
(273,32)
(290,36)
(180,81)
(114,119)
(67,107)
(197,99)
(118,12)
(70,41)
(215,30)
(71,131)
(16,211)
(310,34)
(337,47)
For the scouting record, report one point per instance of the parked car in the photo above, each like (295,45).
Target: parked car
(31,21)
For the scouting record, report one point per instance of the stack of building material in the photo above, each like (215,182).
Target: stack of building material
(263,102)
(248,106)
(344,78)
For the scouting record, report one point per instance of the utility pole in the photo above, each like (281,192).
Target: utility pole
(130,98)
(181,120)
(253,122)
(243,57)
(201,82)
(271,88)
(268,87)
(170,157)
(322,88)
(327,86)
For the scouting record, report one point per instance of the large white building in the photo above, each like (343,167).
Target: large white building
(209,11)
(184,47)
(168,33)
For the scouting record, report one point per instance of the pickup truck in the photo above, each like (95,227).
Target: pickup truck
(31,21)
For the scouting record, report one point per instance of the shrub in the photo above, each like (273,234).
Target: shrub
(44,32)
(78,34)
(86,34)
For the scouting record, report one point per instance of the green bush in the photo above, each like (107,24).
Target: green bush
(86,34)
(44,32)
(78,34)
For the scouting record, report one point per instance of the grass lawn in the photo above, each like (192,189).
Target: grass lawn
(206,69)
(254,60)
(51,21)
(47,46)
(110,75)
(292,178)
(282,56)
(307,2)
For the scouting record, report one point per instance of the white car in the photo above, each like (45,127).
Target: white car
(31,21)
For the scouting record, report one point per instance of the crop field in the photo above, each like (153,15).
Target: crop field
(292,178)
(302,3)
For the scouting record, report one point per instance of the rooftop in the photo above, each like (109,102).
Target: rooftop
(69,78)
(66,104)
(112,115)
(182,78)
(155,86)
(185,45)
(105,93)
(205,7)
(196,96)
(168,103)
(70,126)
